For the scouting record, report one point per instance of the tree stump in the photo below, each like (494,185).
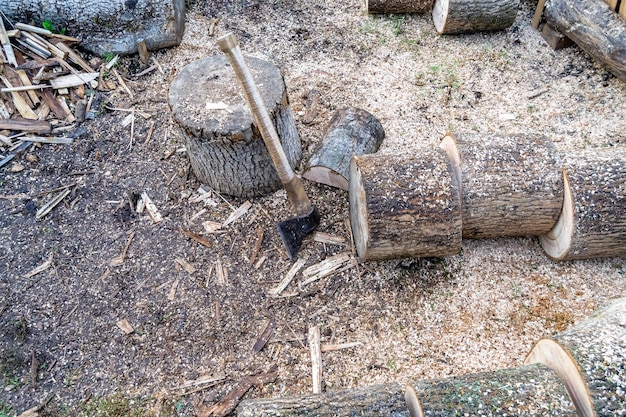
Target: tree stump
(404,205)
(593,220)
(590,358)
(533,390)
(107,26)
(225,148)
(511,185)
(350,132)
(596,28)
(452,17)
(385,400)
(398,6)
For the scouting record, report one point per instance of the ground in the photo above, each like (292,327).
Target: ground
(479,310)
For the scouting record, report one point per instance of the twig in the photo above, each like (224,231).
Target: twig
(119,260)
(47,208)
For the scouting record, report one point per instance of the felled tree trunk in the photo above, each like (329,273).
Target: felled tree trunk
(467,16)
(225,148)
(350,132)
(107,26)
(593,220)
(594,27)
(590,358)
(398,6)
(375,401)
(533,390)
(511,185)
(405,205)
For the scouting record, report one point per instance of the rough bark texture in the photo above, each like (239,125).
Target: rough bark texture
(594,27)
(107,26)
(597,349)
(398,6)
(404,205)
(593,220)
(511,185)
(350,132)
(377,400)
(467,16)
(225,148)
(533,390)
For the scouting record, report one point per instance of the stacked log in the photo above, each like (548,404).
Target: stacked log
(404,205)
(511,185)
(594,27)
(593,219)
(225,148)
(467,16)
(351,131)
(533,390)
(590,358)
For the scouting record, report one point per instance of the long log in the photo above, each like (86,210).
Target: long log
(107,26)
(404,205)
(590,358)
(511,185)
(398,6)
(385,400)
(224,146)
(593,220)
(533,390)
(351,131)
(594,27)
(453,17)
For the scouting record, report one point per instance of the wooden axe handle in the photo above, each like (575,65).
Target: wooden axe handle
(291,182)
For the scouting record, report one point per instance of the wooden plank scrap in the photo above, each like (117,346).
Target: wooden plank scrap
(316,358)
(52,102)
(326,267)
(73,80)
(20,104)
(6,44)
(75,58)
(328,238)
(26,125)
(26,82)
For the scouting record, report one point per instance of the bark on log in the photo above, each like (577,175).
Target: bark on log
(533,390)
(510,185)
(350,132)
(452,17)
(224,146)
(107,26)
(404,205)
(590,358)
(597,29)
(593,220)
(384,400)
(398,6)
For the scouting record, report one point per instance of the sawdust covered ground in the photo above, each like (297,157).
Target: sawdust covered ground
(418,318)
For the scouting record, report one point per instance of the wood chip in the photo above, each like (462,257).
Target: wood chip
(295,268)
(326,267)
(240,211)
(151,208)
(331,348)
(212,227)
(265,335)
(260,232)
(316,358)
(199,239)
(172,293)
(73,80)
(125,326)
(186,265)
(202,380)
(328,238)
(221,273)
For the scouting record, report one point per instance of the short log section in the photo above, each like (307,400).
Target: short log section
(452,17)
(592,223)
(511,185)
(398,6)
(596,28)
(384,400)
(590,358)
(351,131)
(404,205)
(533,390)
(225,148)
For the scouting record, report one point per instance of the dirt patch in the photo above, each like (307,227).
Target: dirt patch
(418,318)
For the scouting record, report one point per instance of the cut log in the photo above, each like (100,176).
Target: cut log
(594,27)
(511,185)
(590,358)
(398,6)
(107,26)
(384,400)
(533,390)
(593,220)
(224,146)
(452,17)
(350,132)
(404,205)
